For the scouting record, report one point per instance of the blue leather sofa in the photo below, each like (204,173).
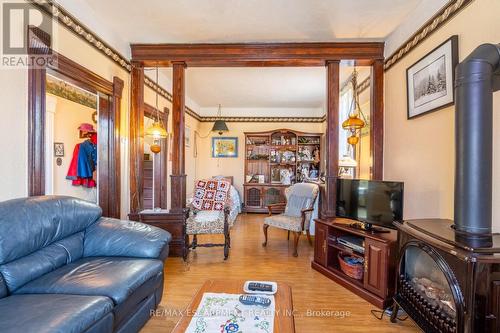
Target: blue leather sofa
(64,268)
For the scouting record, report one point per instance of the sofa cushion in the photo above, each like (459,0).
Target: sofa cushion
(118,238)
(116,278)
(53,313)
(33,223)
(3,287)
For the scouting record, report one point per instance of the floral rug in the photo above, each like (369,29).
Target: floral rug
(225,314)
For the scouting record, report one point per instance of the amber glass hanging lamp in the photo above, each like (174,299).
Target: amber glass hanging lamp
(156,131)
(354,123)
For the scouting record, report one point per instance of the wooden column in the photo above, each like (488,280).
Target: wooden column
(160,168)
(178,177)
(114,149)
(136,136)
(377,120)
(331,137)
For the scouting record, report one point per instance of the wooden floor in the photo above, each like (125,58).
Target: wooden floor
(321,305)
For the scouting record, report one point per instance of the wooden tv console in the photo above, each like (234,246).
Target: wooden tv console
(378,282)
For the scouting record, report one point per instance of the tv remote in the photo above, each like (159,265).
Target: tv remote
(255,300)
(256,286)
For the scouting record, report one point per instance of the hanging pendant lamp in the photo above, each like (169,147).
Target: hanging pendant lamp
(219,124)
(156,131)
(354,123)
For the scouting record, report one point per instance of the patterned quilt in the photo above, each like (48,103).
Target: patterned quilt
(211,194)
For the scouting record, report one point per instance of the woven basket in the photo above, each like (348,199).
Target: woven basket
(355,270)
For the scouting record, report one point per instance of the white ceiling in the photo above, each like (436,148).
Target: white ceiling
(300,87)
(262,91)
(122,22)
(195,21)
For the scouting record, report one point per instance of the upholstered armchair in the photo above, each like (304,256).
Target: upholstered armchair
(296,218)
(203,222)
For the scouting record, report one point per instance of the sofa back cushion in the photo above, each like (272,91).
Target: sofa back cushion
(40,234)
(25,269)
(3,287)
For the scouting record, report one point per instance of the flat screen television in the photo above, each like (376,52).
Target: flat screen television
(372,202)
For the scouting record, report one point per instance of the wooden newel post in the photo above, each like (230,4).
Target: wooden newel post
(332,138)
(178,177)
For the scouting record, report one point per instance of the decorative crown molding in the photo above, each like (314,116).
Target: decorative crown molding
(265,119)
(437,21)
(87,35)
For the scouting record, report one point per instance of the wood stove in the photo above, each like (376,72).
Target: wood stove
(448,276)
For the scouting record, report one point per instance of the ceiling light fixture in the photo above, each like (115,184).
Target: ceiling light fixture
(156,131)
(219,124)
(354,123)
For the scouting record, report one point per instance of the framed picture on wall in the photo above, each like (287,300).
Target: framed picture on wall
(430,80)
(58,149)
(224,146)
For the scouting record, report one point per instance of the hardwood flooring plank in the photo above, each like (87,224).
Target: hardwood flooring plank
(320,304)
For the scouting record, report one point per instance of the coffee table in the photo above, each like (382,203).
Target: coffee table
(283,317)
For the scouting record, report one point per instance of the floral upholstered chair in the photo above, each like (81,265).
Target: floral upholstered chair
(213,210)
(296,218)
(203,222)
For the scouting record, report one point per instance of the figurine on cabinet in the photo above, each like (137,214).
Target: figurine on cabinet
(316,155)
(286,177)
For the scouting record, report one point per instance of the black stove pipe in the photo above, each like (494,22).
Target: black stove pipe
(476,78)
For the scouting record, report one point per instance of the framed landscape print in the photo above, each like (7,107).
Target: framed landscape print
(430,80)
(224,147)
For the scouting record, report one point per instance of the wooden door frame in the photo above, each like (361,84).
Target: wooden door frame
(329,55)
(109,95)
(160,166)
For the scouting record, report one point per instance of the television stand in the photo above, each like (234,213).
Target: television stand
(368,227)
(380,251)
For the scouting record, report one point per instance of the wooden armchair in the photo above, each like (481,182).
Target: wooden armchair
(216,222)
(297,215)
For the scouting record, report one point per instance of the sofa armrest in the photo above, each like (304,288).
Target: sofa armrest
(119,238)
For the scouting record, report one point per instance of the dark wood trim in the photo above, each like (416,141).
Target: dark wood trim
(114,148)
(332,138)
(163,165)
(255,54)
(109,122)
(377,120)
(38,43)
(136,137)
(160,177)
(178,177)
(81,76)
(104,159)
(36,131)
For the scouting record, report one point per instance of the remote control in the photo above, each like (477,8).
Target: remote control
(255,300)
(255,286)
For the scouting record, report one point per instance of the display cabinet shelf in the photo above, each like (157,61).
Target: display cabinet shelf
(274,157)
